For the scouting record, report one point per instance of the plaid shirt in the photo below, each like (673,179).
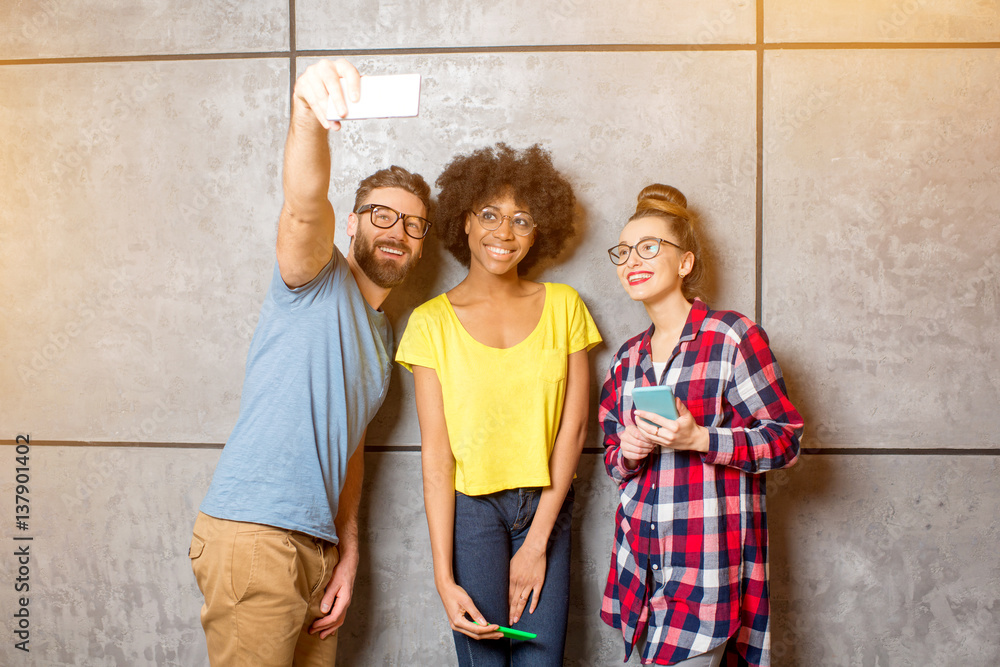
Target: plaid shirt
(696,523)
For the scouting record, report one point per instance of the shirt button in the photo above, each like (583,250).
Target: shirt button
(655,566)
(652,526)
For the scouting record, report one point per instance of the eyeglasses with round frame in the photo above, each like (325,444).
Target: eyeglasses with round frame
(490,219)
(385,217)
(648,247)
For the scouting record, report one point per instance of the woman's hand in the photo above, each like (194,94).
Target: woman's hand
(457,604)
(527,574)
(635,446)
(682,434)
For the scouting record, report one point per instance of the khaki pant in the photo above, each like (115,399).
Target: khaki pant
(262,588)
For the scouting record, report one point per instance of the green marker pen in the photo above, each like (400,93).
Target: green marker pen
(511,633)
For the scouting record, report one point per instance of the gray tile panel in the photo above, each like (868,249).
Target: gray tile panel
(885,560)
(78,28)
(110,582)
(881,21)
(140,206)
(358,24)
(880,243)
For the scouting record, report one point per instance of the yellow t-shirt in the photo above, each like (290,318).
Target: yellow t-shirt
(502,406)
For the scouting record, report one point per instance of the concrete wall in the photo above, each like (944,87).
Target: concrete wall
(843,156)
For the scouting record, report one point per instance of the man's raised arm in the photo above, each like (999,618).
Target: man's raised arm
(306,226)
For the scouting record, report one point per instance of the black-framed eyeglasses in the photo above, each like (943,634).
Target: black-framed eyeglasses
(648,248)
(491,219)
(385,217)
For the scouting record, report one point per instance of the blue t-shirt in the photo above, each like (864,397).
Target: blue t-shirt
(317,372)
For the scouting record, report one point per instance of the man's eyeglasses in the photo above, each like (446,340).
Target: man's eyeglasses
(647,248)
(385,217)
(491,219)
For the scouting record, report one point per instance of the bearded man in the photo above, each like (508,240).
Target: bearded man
(275,545)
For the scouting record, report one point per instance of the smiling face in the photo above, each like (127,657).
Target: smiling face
(386,255)
(498,251)
(657,278)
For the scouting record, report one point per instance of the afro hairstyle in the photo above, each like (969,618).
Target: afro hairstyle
(472,181)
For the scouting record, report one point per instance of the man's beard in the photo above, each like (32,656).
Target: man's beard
(386,274)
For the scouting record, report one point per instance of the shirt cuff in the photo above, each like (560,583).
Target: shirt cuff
(623,474)
(721,446)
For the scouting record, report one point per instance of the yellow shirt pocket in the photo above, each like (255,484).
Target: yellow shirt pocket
(551,365)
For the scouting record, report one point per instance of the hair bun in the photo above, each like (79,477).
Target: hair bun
(664,198)
(667,193)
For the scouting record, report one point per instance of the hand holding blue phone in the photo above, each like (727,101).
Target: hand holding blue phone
(658,400)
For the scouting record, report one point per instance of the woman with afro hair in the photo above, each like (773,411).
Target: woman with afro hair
(502,384)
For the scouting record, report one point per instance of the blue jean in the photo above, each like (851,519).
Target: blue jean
(488,532)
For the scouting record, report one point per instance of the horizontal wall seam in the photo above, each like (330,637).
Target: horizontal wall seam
(862,46)
(474,50)
(808,451)
(89,60)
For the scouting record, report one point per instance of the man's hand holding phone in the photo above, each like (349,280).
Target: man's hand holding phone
(328,84)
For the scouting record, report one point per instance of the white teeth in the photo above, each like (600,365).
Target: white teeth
(639,277)
(391,251)
(499,251)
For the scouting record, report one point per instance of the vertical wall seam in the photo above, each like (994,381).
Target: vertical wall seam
(759,189)
(292,53)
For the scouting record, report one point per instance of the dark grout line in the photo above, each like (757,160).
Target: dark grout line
(528,48)
(292,55)
(147,58)
(900,451)
(876,451)
(758,304)
(876,46)
(293,52)
(136,445)
(392,449)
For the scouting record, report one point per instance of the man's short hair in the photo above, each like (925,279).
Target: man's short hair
(395,177)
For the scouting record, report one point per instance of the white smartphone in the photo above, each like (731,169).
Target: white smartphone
(386,96)
(658,400)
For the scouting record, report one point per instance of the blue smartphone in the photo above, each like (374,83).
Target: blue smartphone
(659,400)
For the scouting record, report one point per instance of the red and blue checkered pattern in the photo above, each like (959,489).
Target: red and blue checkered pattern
(689,563)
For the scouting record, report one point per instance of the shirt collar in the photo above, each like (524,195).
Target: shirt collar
(692,327)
